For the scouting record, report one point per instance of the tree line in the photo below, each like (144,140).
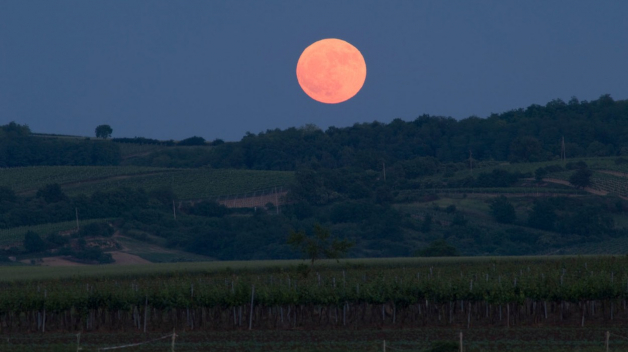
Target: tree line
(596,128)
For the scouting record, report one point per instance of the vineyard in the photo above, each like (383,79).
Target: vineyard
(23,179)
(186,183)
(195,183)
(601,181)
(16,234)
(610,183)
(581,292)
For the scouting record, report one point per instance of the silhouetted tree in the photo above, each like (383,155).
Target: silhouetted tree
(581,178)
(319,246)
(103,131)
(503,211)
(192,141)
(51,193)
(542,216)
(33,243)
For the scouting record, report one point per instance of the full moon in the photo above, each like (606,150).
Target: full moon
(331,71)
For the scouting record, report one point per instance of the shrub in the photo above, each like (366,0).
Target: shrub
(33,242)
(438,248)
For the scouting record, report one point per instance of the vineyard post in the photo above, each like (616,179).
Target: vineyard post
(251,314)
(608,335)
(461,350)
(174,335)
(145,312)
(43,322)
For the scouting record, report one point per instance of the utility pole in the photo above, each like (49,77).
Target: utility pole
(77,223)
(384,169)
(174,210)
(471,160)
(562,149)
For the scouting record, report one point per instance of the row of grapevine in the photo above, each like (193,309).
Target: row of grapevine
(196,183)
(572,292)
(187,183)
(30,178)
(611,184)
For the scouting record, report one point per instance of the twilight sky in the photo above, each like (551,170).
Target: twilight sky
(217,69)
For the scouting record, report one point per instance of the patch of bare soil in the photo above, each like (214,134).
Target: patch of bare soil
(122,258)
(251,202)
(614,173)
(587,189)
(56,261)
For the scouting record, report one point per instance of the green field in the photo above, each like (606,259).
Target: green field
(186,183)
(44,273)
(194,183)
(156,253)
(595,163)
(16,234)
(23,179)
(542,339)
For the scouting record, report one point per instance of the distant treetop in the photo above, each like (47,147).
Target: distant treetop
(103,131)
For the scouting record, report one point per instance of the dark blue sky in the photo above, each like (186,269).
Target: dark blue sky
(173,69)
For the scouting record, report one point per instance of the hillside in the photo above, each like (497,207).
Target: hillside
(494,186)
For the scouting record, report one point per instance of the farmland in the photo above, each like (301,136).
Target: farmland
(185,183)
(16,234)
(24,179)
(362,340)
(195,183)
(505,303)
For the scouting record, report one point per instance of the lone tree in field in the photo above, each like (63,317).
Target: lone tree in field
(320,245)
(103,131)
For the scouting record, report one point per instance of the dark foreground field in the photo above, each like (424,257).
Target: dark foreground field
(430,339)
(498,304)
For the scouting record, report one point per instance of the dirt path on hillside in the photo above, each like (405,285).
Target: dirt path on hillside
(259,201)
(245,202)
(566,183)
(614,173)
(55,261)
(120,258)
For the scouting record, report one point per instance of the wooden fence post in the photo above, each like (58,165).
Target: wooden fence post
(174,335)
(608,336)
(461,349)
(251,315)
(384,345)
(145,312)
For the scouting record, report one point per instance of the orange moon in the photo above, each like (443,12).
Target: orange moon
(331,71)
